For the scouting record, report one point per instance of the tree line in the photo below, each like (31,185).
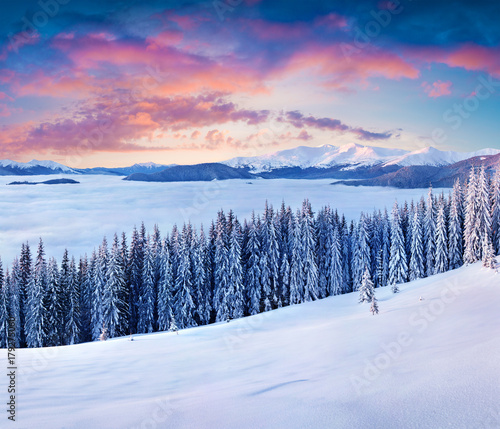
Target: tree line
(239,268)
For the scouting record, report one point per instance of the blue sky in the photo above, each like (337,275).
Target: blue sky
(110,83)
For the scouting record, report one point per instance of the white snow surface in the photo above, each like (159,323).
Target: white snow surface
(430,363)
(149,165)
(35,163)
(320,157)
(78,216)
(354,155)
(435,157)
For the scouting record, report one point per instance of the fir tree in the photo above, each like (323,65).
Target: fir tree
(366,290)
(495,212)
(115,309)
(441,262)
(184,305)
(484,214)
(23,277)
(54,324)
(146,307)
(252,286)
(472,232)
(455,236)
(362,251)
(73,327)
(15,300)
(345,239)
(374,305)
(488,257)
(100,278)
(323,233)
(417,268)
(297,265)
(135,268)
(201,280)
(430,234)
(222,281)
(384,254)
(4,310)
(335,277)
(308,252)
(398,267)
(236,276)
(37,286)
(165,291)
(85,298)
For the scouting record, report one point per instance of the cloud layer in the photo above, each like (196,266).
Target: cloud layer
(144,75)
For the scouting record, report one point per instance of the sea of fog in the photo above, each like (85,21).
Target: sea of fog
(78,216)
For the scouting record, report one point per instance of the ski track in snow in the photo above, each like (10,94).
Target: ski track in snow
(324,364)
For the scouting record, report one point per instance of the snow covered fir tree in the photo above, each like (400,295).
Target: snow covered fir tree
(242,267)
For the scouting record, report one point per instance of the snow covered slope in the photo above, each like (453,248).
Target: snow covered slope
(33,167)
(434,157)
(320,157)
(324,364)
(353,155)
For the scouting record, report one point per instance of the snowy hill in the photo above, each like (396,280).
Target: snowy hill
(33,167)
(319,157)
(352,156)
(434,157)
(324,364)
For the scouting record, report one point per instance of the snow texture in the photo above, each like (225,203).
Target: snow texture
(430,363)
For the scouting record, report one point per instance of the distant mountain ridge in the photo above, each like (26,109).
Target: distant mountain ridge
(351,156)
(192,173)
(35,168)
(420,176)
(361,165)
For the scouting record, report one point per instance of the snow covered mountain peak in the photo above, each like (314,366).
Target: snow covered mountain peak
(35,164)
(325,156)
(351,156)
(148,165)
(435,157)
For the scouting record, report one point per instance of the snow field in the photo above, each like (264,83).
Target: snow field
(323,364)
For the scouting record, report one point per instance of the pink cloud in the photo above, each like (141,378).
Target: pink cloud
(475,57)
(331,21)
(113,125)
(276,31)
(304,135)
(165,38)
(299,120)
(160,65)
(437,89)
(18,40)
(338,70)
(4,96)
(468,56)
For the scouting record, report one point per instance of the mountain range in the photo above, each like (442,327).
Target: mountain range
(35,167)
(351,164)
(350,157)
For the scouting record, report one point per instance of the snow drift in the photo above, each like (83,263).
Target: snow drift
(430,363)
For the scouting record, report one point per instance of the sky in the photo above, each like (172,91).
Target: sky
(112,83)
